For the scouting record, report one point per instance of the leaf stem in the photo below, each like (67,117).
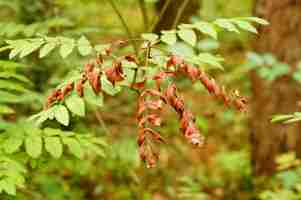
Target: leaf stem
(179,13)
(101,122)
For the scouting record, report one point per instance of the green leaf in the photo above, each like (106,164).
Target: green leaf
(31,47)
(33,145)
(54,146)
(8,75)
(188,36)
(280,118)
(12,144)
(47,48)
(12,85)
(76,105)
(17,47)
(74,146)
(84,46)
(92,98)
(257,20)
(210,59)
(8,185)
(6,110)
(169,37)
(66,47)
(108,88)
(52,132)
(61,115)
(245,26)
(206,28)
(226,24)
(151,37)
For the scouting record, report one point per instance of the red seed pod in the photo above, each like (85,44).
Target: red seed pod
(151,161)
(154,119)
(155,104)
(115,73)
(130,58)
(138,85)
(174,60)
(99,59)
(80,88)
(224,97)
(193,73)
(108,51)
(68,88)
(141,138)
(142,153)
(60,96)
(96,85)
(88,68)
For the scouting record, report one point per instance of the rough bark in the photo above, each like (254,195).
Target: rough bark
(170,14)
(282,38)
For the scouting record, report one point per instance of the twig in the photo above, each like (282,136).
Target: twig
(144,13)
(101,122)
(179,14)
(157,19)
(125,26)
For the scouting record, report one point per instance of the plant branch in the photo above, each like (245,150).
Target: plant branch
(125,26)
(180,13)
(157,19)
(101,122)
(144,13)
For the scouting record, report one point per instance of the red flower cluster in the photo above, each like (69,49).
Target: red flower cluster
(59,94)
(92,74)
(195,74)
(151,101)
(187,120)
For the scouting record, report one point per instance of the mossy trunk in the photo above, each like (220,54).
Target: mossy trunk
(283,39)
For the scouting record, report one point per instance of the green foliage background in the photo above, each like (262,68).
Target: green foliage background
(96,157)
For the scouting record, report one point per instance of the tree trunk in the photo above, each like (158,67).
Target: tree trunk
(283,39)
(169,16)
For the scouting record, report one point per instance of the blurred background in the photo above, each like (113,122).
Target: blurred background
(245,155)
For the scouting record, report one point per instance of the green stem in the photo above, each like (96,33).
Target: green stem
(125,26)
(144,13)
(179,14)
(157,19)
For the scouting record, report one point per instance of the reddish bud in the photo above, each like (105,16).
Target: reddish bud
(174,60)
(80,88)
(115,73)
(130,58)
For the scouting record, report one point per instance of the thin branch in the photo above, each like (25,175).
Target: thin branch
(144,13)
(179,14)
(101,122)
(125,26)
(157,19)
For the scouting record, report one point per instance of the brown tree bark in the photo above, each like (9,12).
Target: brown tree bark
(169,16)
(282,38)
